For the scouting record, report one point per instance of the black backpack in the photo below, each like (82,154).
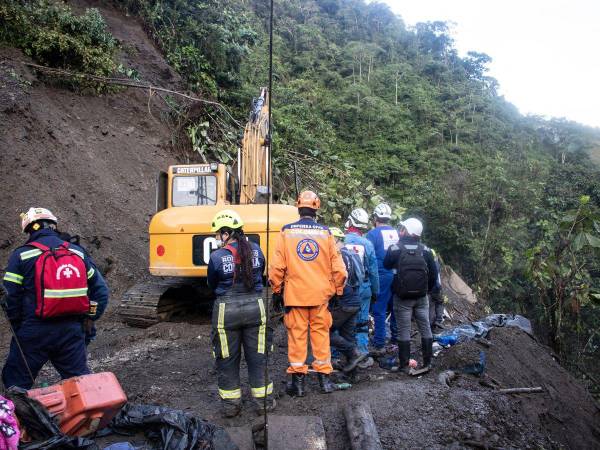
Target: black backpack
(412,275)
(354,267)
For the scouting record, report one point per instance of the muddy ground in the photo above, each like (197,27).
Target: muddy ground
(171,364)
(93,161)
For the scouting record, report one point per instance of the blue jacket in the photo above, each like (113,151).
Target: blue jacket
(382,238)
(221,269)
(366,251)
(438,282)
(19,280)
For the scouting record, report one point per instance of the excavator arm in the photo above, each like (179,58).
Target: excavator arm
(253,160)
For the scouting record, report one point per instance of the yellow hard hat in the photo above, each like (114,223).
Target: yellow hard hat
(227,218)
(336,232)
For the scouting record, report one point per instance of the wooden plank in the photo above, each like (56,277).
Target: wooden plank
(296,433)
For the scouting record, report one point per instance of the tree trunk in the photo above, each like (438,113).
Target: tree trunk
(361,427)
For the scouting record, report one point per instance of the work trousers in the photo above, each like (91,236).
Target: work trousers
(436,308)
(404,309)
(362,319)
(380,310)
(241,322)
(344,323)
(60,342)
(298,320)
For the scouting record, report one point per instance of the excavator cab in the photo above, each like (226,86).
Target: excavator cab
(194,185)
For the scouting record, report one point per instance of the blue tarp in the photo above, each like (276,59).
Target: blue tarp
(481,328)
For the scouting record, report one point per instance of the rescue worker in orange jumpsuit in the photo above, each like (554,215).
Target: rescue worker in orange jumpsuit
(306,271)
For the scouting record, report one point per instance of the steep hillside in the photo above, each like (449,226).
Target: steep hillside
(91,160)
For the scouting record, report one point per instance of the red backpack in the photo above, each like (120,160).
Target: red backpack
(60,283)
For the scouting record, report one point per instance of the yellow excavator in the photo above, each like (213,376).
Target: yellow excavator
(187,198)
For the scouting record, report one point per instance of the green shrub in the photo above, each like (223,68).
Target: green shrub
(53,36)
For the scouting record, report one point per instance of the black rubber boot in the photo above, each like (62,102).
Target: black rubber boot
(427,351)
(295,387)
(403,356)
(354,357)
(327,387)
(230,409)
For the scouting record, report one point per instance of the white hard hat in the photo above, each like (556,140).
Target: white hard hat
(34,215)
(383,211)
(358,218)
(413,226)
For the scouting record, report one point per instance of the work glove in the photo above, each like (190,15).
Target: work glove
(278,301)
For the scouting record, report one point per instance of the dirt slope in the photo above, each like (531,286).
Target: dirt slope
(92,160)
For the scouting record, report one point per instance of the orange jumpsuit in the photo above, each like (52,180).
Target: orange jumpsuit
(309,268)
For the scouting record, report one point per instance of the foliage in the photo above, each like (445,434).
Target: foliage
(204,41)
(560,267)
(52,35)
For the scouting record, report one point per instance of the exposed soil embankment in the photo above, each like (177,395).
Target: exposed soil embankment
(92,160)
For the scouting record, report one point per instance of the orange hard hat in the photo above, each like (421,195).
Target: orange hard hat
(308,199)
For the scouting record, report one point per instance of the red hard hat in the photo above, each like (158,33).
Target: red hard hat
(308,199)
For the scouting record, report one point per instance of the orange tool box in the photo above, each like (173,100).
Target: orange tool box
(82,404)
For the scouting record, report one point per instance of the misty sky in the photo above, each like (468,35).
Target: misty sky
(545,54)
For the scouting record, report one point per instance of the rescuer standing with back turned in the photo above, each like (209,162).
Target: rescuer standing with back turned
(307,270)
(239,313)
(51,287)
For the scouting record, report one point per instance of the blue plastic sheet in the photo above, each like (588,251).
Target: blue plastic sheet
(481,328)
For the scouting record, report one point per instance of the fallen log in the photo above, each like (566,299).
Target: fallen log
(529,390)
(361,427)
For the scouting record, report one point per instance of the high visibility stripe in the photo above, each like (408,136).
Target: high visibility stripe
(91,273)
(30,254)
(263,327)
(13,277)
(260,392)
(78,253)
(65,293)
(296,364)
(318,361)
(230,395)
(221,330)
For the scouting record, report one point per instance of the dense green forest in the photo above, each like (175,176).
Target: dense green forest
(370,109)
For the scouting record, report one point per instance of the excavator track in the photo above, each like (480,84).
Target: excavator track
(158,300)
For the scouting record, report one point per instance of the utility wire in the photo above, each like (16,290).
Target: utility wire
(269,200)
(129,83)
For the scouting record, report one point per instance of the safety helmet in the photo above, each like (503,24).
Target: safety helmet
(358,218)
(383,211)
(308,199)
(226,218)
(336,232)
(413,226)
(35,215)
